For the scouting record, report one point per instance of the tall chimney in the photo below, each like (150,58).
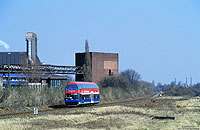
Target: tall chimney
(191,81)
(31,42)
(186,81)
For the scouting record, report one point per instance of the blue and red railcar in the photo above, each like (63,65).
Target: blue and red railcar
(81,93)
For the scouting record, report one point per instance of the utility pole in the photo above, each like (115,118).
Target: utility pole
(8,76)
(9,70)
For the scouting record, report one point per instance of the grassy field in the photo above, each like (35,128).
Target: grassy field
(130,116)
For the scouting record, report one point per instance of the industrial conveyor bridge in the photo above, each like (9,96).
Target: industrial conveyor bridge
(43,69)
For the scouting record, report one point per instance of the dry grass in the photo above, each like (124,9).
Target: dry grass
(127,117)
(19,98)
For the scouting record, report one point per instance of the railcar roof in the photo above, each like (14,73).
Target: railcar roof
(88,83)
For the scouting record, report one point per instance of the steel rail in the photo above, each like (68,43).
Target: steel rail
(66,108)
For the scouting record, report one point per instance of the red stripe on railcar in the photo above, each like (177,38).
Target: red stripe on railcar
(74,91)
(83,91)
(88,90)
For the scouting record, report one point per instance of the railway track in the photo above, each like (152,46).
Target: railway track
(51,110)
(141,101)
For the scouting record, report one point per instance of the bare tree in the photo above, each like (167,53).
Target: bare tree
(87,73)
(32,71)
(34,76)
(132,76)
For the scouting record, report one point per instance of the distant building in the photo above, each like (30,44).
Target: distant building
(102,65)
(47,80)
(53,80)
(13,58)
(15,79)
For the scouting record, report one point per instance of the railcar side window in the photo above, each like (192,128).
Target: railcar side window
(85,96)
(96,96)
(75,96)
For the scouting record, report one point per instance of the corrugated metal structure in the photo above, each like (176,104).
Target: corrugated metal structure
(102,65)
(13,57)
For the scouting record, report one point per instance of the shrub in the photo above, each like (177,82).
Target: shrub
(119,88)
(173,90)
(114,81)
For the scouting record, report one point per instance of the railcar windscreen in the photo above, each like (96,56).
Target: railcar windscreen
(87,86)
(72,87)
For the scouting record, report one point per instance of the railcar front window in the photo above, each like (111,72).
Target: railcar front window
(72,96)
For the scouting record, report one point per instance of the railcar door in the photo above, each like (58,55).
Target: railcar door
(82,98)
(92,97)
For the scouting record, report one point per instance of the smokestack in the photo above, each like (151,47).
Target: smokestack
(86,46)
(186,81)
(175,81)
(31,42)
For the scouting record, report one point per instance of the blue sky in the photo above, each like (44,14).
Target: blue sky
(158,39)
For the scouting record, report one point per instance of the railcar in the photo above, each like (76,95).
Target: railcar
(81,93)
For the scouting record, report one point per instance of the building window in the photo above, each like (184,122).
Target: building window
(110,73)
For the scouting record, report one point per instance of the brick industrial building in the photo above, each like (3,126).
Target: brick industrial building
(102,65)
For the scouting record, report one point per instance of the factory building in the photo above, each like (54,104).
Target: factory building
(28,57)
(13,58)
(102,65)
(24,58)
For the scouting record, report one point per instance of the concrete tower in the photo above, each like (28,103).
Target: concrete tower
(31,42)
